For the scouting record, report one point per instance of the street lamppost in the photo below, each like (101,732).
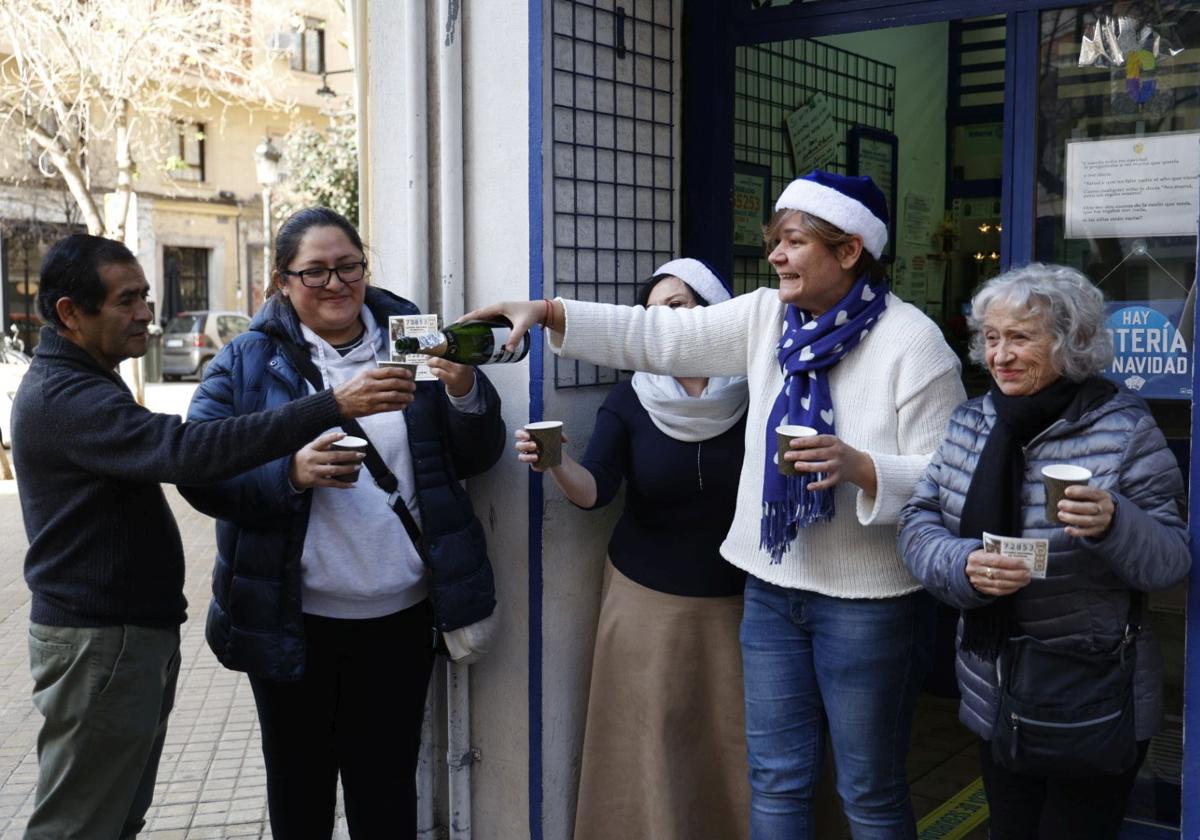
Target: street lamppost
(266,167)
(325,90)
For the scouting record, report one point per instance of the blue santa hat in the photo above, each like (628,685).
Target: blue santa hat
(852,203)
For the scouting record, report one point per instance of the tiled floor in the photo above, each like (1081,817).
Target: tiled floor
(210,781)
(943,758)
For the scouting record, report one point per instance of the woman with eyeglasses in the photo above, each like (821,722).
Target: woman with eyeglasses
(319,592)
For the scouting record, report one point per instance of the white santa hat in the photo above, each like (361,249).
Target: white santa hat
(702,279)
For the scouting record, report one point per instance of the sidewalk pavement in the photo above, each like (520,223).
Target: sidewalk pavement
(211,782)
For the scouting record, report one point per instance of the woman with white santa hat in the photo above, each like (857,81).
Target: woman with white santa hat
(664,752)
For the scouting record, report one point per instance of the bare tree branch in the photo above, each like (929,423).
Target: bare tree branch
(104,81)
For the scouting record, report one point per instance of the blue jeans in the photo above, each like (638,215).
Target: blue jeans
(858,664)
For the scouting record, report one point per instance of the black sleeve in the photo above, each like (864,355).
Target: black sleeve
(123,440)
(607,452)
(259,493)
(477,441)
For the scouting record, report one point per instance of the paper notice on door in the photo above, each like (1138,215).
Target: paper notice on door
(918,220)
(1034,553)
(1132,186)
(814,134)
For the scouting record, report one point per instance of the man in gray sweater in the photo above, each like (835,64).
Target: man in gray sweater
(105,561)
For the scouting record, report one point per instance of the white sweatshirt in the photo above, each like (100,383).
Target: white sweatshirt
(892,398)
(358,560)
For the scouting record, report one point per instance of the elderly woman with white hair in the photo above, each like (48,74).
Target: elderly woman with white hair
(835,631)
(664,753)
(1058,677)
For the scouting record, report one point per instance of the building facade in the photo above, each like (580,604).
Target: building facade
(566,147)
(196,218)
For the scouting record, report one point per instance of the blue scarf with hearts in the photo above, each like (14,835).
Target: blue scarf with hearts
(808,348)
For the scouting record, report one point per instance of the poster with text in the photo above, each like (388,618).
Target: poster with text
(751,197)
(1133,186)
(814,135)
(1151,356)
(918,220)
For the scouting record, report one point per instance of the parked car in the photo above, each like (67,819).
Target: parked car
(192,339)
(13,364)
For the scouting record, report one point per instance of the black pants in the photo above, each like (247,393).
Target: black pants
(1036,808)
(357,711)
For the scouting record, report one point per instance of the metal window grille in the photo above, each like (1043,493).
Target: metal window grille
(613,154)
(308,47)
(188,163)
(773,80)
(185,271)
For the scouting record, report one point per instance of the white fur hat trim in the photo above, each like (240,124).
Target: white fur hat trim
(838,209)
(697,275)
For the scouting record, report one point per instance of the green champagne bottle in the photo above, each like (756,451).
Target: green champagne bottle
(468,343)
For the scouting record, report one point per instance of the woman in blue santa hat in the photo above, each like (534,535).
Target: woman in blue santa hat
(834,629)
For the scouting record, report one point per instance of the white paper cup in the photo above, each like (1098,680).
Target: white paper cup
(784,435)
(1057,478)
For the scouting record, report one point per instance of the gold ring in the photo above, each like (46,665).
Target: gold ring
(988,572)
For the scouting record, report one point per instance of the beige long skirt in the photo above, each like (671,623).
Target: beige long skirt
(664,753)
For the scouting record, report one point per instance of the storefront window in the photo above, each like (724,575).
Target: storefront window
(1117,163)
(22,248)
(1118,157)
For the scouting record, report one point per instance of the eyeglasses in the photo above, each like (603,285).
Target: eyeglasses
(315,278)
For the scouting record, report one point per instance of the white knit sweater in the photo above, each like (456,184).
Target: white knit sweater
(892,398)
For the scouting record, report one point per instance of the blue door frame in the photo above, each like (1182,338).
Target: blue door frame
(713,29)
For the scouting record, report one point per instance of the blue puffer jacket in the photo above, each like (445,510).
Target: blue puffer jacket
(254,619)
(1084,600)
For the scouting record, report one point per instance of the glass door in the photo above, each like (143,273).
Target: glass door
(1093,163)
(919,108)
(1117,159)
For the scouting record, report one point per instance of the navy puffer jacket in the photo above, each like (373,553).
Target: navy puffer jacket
(255,617)
(1084,600)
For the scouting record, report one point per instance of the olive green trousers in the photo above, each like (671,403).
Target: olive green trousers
(105,694)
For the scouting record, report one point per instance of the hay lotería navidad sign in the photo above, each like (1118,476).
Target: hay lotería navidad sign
(1151,356)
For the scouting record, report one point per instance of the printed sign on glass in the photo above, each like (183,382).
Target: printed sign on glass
(1151,356)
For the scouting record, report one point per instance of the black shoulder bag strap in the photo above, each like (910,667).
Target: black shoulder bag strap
(378,469)
(1133,624)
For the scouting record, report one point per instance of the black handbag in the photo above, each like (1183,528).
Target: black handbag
(1067,713)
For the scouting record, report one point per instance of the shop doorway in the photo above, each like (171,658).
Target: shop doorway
(921,110)
(918,108)
(964,114)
